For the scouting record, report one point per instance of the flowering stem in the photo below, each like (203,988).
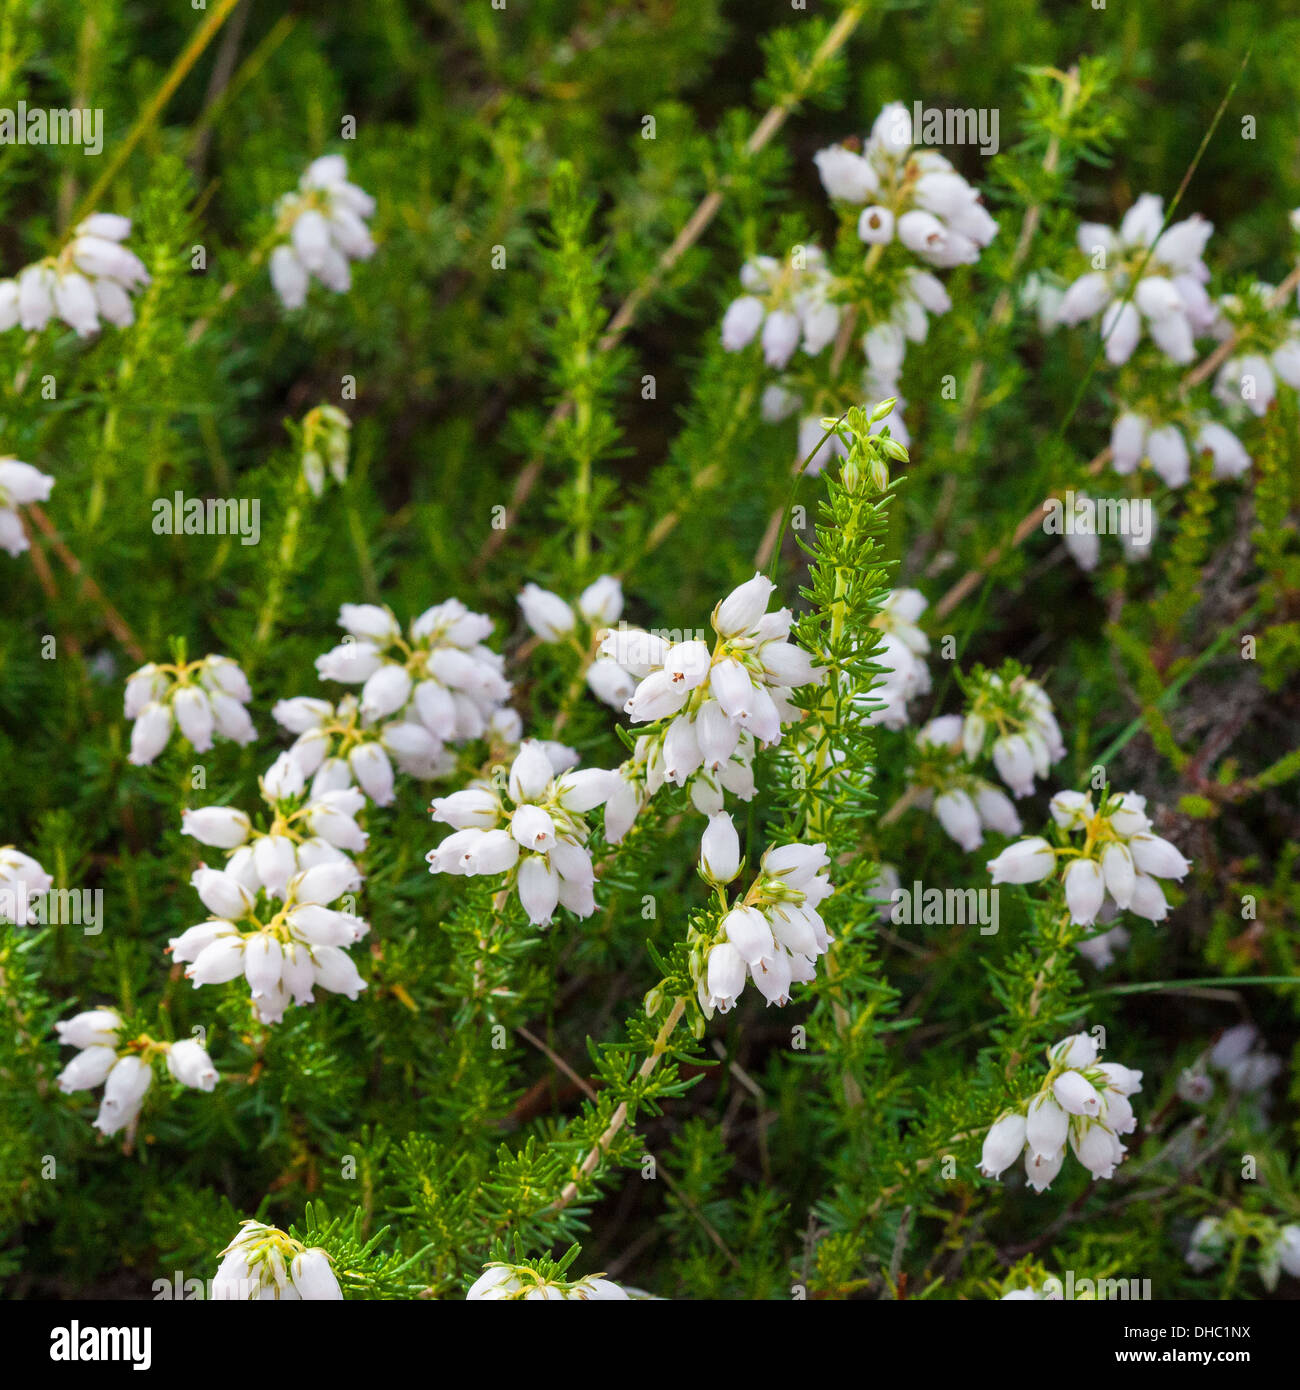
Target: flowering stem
(619,1117)
(1032,520)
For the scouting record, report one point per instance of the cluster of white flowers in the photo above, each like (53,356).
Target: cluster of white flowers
(1246,1066)
(437,686)
(1082,1102)
(283,947)
(1049,1293)
(1120,857)
(1015,723)
(264,1263)
(325,221)
(1008,719)
(1280,1247)
(21,880)
(517,1283)
(125,1071)
(1169,298)
(305,829)
(912,195)
(20,484)
(774,935)
(326,432)
(599,606)
(1249,378)
(789,302)
(1135,438)
(91,279)
(206,699)
(713,706)
(965,804)
(899,655)
(534,830)
(1083,540)
(337,748)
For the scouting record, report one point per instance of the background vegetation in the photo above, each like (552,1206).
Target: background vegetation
(522,129)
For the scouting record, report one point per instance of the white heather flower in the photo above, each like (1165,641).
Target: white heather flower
(325,222)
(846,176)
(1122,866)
(124,1092)
(265,1264)
(904,674)
(1128,436)
(725,978)
(1085,888)
(1002,1144)
(1098,1149)
(749,932)
(1254,1072)
(1247,1067)
(90,279)
(1288,1249)
(741,322)
(1233,1044)
(22,880)
(1247,380)
(1027,861)
(957,813)
(536,833)
(1230,459)
(783,304)
(1076,1095)
(1041,1171)
(440,681)
(1014,761)
(1047,1127)
(549,616)
(282,953)
(193,712)
(150,733)
(89,1068)
(601,602)
(610,683)
(1071,808)
(915,195)
(1078,1050)
(511,1283)
(717,701)
(1168,298)
(20,485)
(1207,1244)
(1167,451)
(720,850)
(204,699)
(1194,1086)
(1082,1106)
(773,936)
(93,1028)
(780,337)
(219,826)
(190,1064)
(876,226)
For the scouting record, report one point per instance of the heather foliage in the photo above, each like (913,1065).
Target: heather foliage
(639,641)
